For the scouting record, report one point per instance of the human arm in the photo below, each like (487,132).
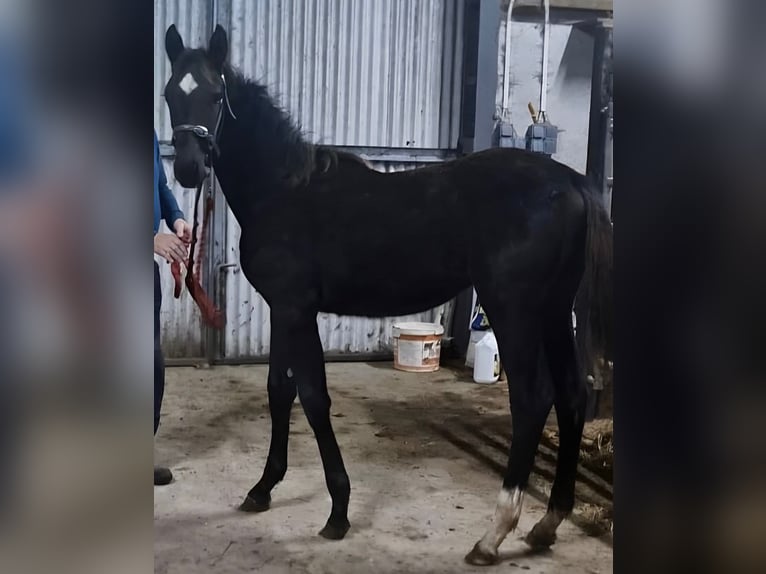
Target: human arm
(169,209)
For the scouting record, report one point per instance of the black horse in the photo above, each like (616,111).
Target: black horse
(317,236)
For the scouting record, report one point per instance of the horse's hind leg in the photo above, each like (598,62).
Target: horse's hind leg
(281,389)
(518,330)
(570,400)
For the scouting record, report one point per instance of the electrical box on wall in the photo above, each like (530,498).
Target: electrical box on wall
(542,137)
(505,136)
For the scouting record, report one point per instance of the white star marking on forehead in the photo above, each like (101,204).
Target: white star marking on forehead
(188,84)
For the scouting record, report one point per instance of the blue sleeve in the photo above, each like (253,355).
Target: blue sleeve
(168,205)
(15,152)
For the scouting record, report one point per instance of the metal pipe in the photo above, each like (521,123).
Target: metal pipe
(505,111)
(544,79)
(371,153)
(328,357)
(212,337)
(205,362)
(187,362)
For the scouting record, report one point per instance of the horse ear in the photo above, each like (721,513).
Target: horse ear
(174,45)
(219,46)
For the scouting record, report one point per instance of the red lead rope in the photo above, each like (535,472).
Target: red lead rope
(211,315)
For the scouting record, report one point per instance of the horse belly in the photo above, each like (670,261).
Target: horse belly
(394,282)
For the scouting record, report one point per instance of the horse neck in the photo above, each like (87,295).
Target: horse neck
(236,181)
(254,154)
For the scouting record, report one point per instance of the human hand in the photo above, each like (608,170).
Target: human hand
(183,230)
(170,246)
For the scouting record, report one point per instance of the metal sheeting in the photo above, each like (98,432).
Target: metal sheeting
(182,334)
(355,72)
(249,335)
(180,318)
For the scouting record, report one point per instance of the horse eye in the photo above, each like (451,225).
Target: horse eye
(218,98)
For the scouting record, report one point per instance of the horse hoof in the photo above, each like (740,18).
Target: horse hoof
(251,504)
(540,538)
(480,557)
(335,531)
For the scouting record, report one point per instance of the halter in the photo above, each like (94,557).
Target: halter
(211,139)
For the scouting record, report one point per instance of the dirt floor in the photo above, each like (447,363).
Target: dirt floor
(425,454)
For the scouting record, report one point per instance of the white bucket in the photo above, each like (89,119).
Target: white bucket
(486,368)
(417,346)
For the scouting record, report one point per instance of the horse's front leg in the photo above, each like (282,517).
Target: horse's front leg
(307,362)
(281,388)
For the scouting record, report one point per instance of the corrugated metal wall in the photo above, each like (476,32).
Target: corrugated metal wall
(353,73)
(181,324)
(181,321)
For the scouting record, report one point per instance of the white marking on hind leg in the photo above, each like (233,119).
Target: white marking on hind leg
(506,518)
(188,84)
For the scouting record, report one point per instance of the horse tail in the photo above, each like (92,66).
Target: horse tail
(594,302)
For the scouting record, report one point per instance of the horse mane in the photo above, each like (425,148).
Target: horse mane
(277,142)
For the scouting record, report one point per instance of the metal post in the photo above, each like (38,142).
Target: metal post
(486,73)
(482,25)
(215,279)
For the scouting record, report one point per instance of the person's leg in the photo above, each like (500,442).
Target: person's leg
(161,475)
(9,402)
(159,361)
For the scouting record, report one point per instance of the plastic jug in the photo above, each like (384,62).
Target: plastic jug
(486,367)
(475,337)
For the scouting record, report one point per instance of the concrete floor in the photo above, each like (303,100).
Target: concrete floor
(424,452)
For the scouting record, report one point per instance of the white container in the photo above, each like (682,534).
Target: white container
(417,346)
(486,368)
(470,355)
